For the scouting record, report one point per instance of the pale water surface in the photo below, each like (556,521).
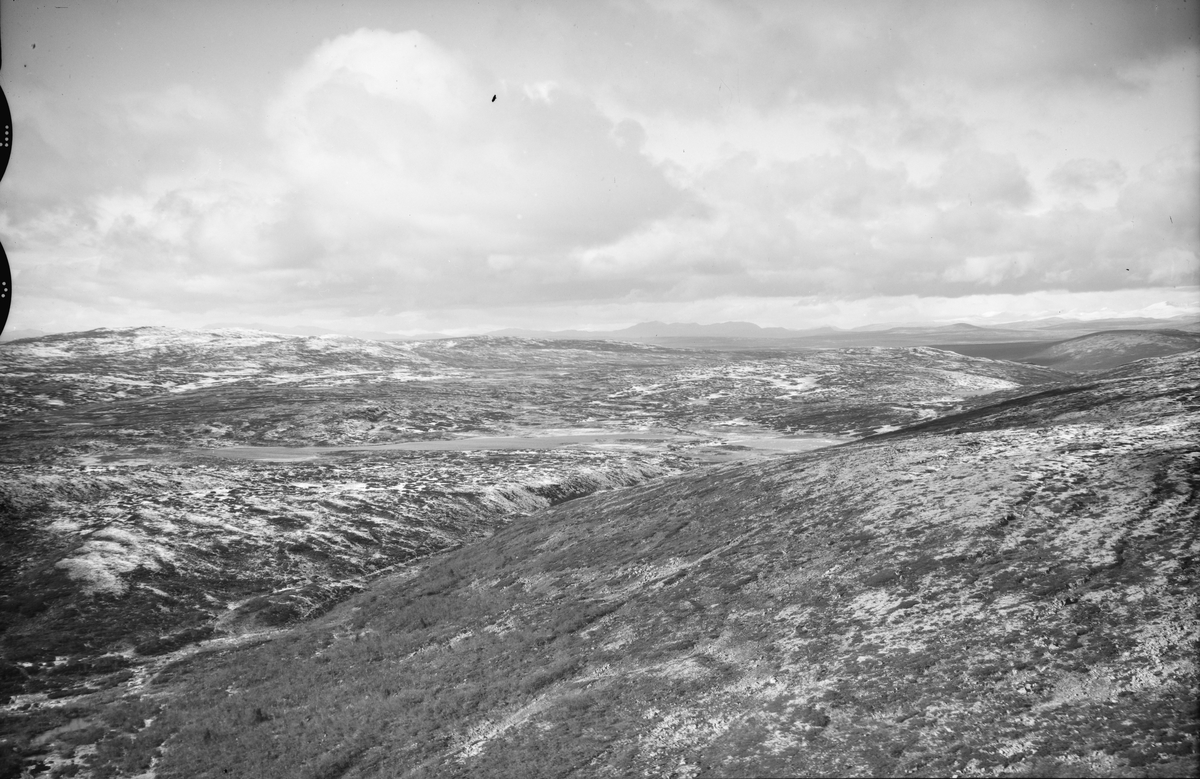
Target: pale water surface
(762,443)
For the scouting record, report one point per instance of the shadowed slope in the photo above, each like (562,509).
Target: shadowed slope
(1093,352)
(1102,351)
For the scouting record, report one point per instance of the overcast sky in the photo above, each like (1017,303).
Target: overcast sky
(792,164)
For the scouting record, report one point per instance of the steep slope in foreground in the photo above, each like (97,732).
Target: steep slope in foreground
(1009,592)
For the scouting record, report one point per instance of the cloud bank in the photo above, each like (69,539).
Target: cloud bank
(678,156)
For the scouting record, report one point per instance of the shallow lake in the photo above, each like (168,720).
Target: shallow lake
(767,443)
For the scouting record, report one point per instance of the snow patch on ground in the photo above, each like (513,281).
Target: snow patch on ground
(108,555)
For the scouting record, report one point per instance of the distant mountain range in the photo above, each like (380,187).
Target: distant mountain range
(750,335)
(366,335)
(652,330)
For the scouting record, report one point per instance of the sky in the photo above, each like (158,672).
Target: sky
(461,167)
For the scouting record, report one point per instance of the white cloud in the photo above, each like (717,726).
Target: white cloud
(756,152)
(1080,176)
(990,270)
(401,163)
(540,91)
(177,110)
(979,176)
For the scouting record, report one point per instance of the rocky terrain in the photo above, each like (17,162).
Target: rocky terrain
(130,547)
(1010,591)
(107,389)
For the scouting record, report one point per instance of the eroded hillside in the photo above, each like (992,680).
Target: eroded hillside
(1007,592)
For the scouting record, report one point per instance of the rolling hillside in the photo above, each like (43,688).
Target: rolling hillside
(1102,351)
(1009,591)
(1092,352)
(110,390)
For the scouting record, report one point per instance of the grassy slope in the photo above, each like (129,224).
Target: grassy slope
(1000,594)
